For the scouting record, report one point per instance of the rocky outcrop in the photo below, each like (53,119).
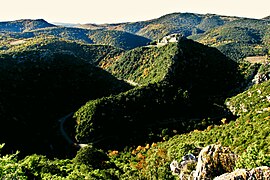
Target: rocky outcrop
(262,75)
(185,168)
(262,173)
(214,160)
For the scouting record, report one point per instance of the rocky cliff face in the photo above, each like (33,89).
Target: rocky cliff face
(262,172)
(214,160)
(263,74)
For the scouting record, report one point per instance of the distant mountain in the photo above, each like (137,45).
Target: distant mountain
(184,23)
(115,38)
(65,24)
(236,37)
(49,45)
(74,34)
(24,25)
(266,18)
(118,39)
(174,82)
(240,38)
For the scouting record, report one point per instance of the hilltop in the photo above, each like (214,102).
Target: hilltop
(266,18)
(141,65)
(239,39)
(187,80)
(24,25)
(185,23)
(118,39)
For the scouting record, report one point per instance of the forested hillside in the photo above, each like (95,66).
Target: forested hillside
(38,87)
(239,39)
(47,45)
(234,36)
(24,25)
(186,86)
(34,29)
(181,96)
(247,136)
(184,23)
(142,65)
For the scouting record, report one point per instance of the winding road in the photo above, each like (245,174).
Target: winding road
(76,144)
(65,135)
(69,140)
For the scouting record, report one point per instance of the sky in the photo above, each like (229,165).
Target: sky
(116,11)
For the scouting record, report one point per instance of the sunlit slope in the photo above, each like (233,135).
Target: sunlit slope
(190,81)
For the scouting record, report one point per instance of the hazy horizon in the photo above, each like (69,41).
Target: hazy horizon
(117,11)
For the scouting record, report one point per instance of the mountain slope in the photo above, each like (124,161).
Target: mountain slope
(38,87)
(184,23)
(118,39)
(236,37)
(196,77)
(239,38)
(248,136)
(24,25)
(142,65)
(90,53)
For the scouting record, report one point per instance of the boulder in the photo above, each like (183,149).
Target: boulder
(213,161)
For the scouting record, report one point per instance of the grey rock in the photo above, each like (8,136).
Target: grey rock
(259,173)
(214,160)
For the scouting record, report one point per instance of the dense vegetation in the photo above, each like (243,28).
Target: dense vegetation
(38,87)
(114,110)
(144,65)
(115,38)
(118,39)
(250,131)
(24,25)
(91,53)
(188,87)
(234,36)
(239,38)
(184,23)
